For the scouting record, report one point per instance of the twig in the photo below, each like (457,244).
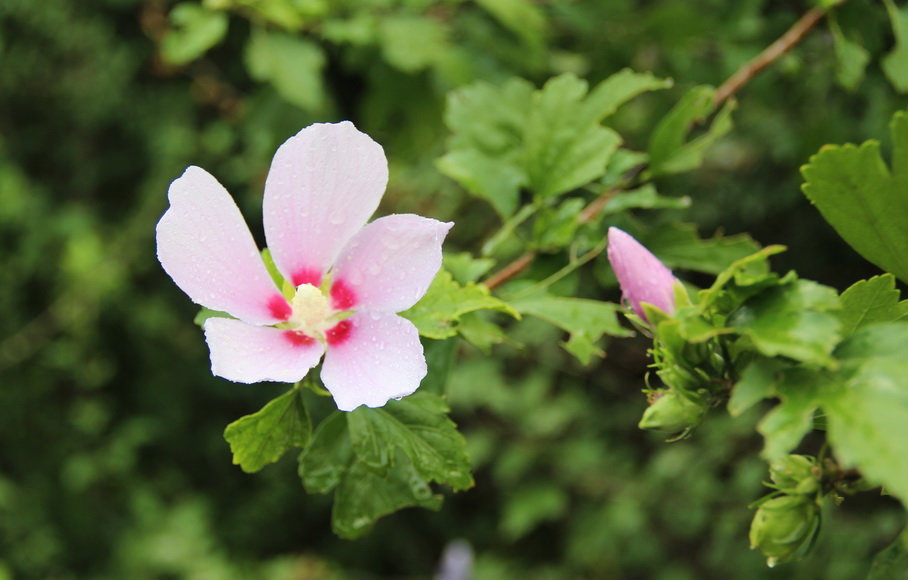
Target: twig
(769,55)
(567,269)
(592,210)
(511,270)
(731,86)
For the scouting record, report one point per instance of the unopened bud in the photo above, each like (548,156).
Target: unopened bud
(795,474)
(643,278)
(670,411)
(785,527)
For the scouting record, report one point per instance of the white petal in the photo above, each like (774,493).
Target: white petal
(379,359)
(251,354)
(206,247)
(390,263)
(323,185)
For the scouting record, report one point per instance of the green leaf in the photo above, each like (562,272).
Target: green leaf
(360,29)
(419,427)
(892,562)
(489,118)
(288,14)
(792,320)
(323,463)
(480,332)
(412,43)
(292,64)
(529,506)
(441,355)
(564,146)
(669,150)
(548,140)
(679,246)
(851,59)
(437,314)
(758,382)
(620,88)
(742,279)
(645,197)
(585,320)
(862,200)
(871,301)
(867,415)
(366,494)
(895,64)
(485,177)
(522,17)
(206,313)
(464,267)
(555,227)
(263,437)
(487,138)
(195,30)
(789,421)
(624,163)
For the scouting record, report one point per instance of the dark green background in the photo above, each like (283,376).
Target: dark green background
(112,463)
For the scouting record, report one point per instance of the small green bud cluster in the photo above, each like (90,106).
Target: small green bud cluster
(787,523)
(671,411)
(796,475)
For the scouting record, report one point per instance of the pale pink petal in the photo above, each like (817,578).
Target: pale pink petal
(389,264)
(251,354)
(376,358)
(643,278)
(206,247)
(323,185)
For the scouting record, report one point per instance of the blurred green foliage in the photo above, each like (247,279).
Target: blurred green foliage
(112,461)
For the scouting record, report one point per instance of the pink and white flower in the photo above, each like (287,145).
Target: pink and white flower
(350,278)
(643,278)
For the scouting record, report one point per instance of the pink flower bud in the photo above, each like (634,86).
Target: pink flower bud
(643,278)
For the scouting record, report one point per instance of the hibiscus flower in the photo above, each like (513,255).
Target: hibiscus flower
(349,279)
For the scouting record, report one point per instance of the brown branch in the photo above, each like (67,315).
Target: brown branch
(731,86)
(511,270)
(769,55)
(592,210)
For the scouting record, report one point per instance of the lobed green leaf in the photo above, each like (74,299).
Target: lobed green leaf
(788,422)
(586,321)
(195,30)
(323,463)
(895,64)
(865,202)
(412,43)
(438,313)
(263,437)
(792,320)
(871,301)
(366,494)
(419,427)
(292,64)
(564,147)
(669,149)
(867,413)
